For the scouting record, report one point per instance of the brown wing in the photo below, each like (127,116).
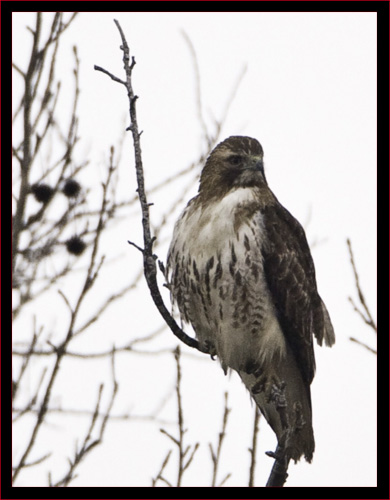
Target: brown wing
(290,275)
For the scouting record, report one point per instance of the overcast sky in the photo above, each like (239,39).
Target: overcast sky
(308,95)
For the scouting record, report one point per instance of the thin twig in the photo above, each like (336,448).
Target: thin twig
(373,351)
(160,472)
(253,449)
(215,456)
(183,450)
(367,317)
(89,443)
(38,460)
(198,92)
(113,77)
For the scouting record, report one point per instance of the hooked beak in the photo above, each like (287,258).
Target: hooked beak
(256,164)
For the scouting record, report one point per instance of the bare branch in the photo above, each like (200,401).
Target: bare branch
(60,350)
(373,351)
(253,450)
(215,456)
(38,460)
(89,443)
(183,450)
(198,92)
(159,475)
(150,268)
(113,77)
(366,315)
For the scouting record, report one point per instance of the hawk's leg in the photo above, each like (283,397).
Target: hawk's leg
(277,396)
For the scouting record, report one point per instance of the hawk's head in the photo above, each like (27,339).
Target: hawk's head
(235,162)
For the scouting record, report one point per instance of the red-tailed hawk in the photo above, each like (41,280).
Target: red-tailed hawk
(241,273)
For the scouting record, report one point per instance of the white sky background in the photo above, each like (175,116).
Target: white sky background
(309,97)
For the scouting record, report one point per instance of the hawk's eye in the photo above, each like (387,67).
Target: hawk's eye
(235,159)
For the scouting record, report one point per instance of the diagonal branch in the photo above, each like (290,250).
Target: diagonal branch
(216,454)
(367,317)
(364,312)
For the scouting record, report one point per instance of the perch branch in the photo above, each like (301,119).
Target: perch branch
(279,474)
(150,268)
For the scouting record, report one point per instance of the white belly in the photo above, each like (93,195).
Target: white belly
(224,293)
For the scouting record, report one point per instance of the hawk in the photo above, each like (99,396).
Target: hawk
(241,273)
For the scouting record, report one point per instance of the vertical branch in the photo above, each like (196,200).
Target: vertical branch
(136,137)
(253,450)
(179,418)
(17,223)
(183,450)
(198,92)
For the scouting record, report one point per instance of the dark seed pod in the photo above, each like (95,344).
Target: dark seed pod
(75,245)
(42,192)
(71,189)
